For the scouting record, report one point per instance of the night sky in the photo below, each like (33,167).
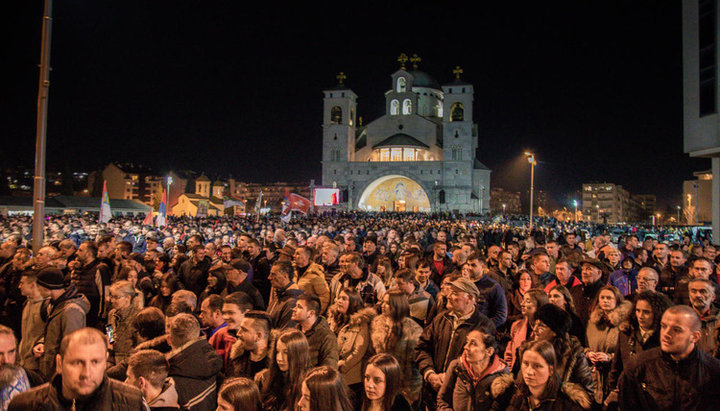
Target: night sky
(593,88)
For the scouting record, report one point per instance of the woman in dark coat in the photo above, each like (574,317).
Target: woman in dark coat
(640,333)
(468,379)
(537,386)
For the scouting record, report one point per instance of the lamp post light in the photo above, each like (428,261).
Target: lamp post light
(575,203)
(504,205)
(678,214)
(531,160)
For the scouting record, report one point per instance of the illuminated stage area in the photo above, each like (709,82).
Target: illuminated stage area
(394,193)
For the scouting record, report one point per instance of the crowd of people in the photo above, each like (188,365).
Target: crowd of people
(355,311)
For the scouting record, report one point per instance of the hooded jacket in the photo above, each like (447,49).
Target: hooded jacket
(62,316)
(110,395)
(167,399)
(629,347)
(568,397)
(658,382)
(602,335)
(463,391)
(353,341)
(194,368)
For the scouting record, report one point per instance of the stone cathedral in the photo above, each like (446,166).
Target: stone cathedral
(419,156)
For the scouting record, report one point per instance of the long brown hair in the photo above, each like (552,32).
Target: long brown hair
(242,393)
(399,310)
(327,389)
(390,367)
(547,352)
(285,386)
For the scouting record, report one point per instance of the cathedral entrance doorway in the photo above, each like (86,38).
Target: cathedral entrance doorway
(394,192)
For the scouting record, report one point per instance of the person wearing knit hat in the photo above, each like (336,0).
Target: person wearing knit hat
(64,311)
(552,317)
(51,278)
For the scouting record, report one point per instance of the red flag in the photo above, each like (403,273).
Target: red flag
(148,218)
(299,203)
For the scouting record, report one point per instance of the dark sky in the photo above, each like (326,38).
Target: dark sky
(593,87)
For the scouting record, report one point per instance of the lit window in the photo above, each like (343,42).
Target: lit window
(407,106)
(401,85)
(385,154)
(394,107)
(409,154)
(396,154)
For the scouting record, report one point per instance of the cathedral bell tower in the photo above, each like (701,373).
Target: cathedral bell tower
(339,129)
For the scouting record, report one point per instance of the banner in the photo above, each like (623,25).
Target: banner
(202,208)
(296,202)
(105,212)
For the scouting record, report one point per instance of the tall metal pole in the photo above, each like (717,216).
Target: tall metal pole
(532,188)
(42,106)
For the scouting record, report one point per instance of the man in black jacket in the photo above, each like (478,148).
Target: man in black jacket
(80,382)
(442,341)
(584,294)
(675,376)
(193,273)
(194,364)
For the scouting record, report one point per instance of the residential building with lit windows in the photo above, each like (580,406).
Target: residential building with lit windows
(419,156)
(606,203)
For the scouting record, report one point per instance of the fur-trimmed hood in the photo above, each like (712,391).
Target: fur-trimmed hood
(362,316)
(379,334)
(575,392)
(616,317)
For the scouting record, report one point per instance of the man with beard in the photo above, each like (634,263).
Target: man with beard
(673,272)
(702,295)
(91,278)
(250,352)
(193,273)
(283,295)
(675,376)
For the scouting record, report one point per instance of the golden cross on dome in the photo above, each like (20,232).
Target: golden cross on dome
(457,72)
(402,59)
(340,77)
(415,59)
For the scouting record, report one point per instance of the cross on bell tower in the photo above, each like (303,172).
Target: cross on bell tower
(457,72)
(340,77)
(415,59)
(402,59)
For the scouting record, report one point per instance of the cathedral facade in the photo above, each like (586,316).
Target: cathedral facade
(419,156)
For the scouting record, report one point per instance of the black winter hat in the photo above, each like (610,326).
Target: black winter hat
(51,278)
(554,317)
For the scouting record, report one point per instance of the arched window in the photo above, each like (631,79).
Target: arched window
(441,196)
(394,108)
(457,112)
(336,115)
(439,110)
(352,116)
(401,85)
(407,106)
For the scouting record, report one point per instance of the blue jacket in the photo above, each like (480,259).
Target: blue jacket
(492,301)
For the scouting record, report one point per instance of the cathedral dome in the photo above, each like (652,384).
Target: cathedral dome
(423,79)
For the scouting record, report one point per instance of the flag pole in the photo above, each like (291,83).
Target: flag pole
(40,138)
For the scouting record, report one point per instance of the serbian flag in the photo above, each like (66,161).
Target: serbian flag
(162,211)
(296,202)
(148,218)
(105,212)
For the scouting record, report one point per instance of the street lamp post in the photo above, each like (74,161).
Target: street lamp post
(678,214)
(531,160)
(40,138)
(575,205)
(504,209)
